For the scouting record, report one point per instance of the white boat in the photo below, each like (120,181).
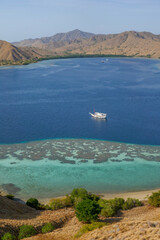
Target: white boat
(99,115)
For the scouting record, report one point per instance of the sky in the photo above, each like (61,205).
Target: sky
(23,19)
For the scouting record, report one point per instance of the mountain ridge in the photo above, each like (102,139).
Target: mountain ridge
(77,43)
(129,43)
(69,36)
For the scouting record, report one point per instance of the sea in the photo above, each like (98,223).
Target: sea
(49,144)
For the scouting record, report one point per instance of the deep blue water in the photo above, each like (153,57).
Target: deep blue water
(52,99)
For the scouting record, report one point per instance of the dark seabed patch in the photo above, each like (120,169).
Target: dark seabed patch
(10,188)
(78,150)
(51,168)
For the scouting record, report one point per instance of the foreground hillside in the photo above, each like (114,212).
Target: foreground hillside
(136,223)
(14,214)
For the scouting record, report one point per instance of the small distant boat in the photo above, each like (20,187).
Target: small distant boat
(102,61)
(99,115)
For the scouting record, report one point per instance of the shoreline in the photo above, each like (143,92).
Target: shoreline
(141,195)
(4,63)
(36,60)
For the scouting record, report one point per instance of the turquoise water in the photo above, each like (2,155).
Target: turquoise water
(50,168)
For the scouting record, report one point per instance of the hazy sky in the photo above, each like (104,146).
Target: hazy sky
(21,19)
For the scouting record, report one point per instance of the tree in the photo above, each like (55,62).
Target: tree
(33,202)
(87,210)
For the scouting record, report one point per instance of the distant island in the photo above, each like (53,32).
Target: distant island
(80,44)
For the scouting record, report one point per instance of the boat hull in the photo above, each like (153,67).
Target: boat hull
(104,116)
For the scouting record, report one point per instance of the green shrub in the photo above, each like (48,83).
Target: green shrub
(93,197)
(79,193)
(68,201)
(89,227)
(45,207)
(26,231)
(58,203)
(8,236)
(87,210)
(77,200)
(33,202)
(131,203)
(117,203)
(10,196)
(102,203)
(48,227)
(110,207)
(137,203)
(154,199)
(107,209)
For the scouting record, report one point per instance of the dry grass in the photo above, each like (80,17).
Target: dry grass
(135,224)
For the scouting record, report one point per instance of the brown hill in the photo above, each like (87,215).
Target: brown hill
(127,43)
(135,224)
(130,43)
(135,44)
(10,209)
(65,37)
(8,52)
(138,223)
(14,214)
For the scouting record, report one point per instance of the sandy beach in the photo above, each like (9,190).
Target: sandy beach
(141,195)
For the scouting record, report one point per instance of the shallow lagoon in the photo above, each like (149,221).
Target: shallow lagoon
(52,168)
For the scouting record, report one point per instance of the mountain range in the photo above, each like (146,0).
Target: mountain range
(76,42)
(64,37)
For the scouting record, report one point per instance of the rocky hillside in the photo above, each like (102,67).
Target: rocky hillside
(14,214)
(137,44)
(64,37)
(137,223)
(9,52)
(127,43)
